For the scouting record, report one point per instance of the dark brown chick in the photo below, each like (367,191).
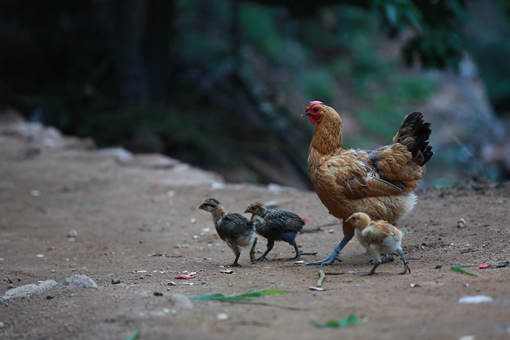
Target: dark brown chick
(234,229)
(276,225)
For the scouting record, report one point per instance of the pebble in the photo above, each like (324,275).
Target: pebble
(80,281)
(29,289)
(35,193)
(461,223)
(1,324)
(475,299)
(72,233)
(222,316)
(39,256)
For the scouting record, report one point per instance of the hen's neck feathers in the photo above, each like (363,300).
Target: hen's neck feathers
(327,138)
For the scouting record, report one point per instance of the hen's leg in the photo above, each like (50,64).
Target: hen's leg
(406,267)
(335,253)
(270,245)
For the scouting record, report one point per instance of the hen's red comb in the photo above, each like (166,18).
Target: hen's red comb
(312,103)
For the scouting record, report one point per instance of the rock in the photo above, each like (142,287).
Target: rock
(180,301)
(222,316)
(30,289)
(72,234)
(476,299)
(80,281)
(461,223)
(150,161)
(119,154)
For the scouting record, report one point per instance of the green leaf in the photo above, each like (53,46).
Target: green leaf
(459,269)
(133,336)
(248,296)
(351,320)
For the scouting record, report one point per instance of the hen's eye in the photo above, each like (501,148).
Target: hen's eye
(315,109)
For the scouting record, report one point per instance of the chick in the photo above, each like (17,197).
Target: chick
(234,229)
(378,237)
(276,225)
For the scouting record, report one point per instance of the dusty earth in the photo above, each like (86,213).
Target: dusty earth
(139,228)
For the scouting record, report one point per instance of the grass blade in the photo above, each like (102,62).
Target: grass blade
(351,320)
(133,336)
(459,269)
(248,296)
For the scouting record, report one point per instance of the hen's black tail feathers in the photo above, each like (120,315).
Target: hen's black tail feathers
(414,133)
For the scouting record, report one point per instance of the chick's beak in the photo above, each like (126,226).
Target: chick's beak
(201,207)
(246,211)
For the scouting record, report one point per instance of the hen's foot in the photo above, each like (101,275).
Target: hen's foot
(327,261)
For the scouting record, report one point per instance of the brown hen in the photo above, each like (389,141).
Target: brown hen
(379,182)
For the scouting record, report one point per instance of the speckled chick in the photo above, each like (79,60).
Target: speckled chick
(378,237)
(234,229)
(276,225)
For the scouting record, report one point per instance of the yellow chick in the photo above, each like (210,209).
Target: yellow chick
(378,237)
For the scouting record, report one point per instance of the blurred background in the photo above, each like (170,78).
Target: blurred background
(221,84)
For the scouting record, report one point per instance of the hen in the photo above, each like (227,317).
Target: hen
(379,182)
(378,237)
(276,225)
(234,229)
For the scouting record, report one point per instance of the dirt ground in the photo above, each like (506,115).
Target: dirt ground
(142,227)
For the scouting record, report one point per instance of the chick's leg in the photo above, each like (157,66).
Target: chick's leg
(299,252)
(335,253)
(377,259)
(406,267)
(252,250)
(385,259)
(237,253)
(270,245)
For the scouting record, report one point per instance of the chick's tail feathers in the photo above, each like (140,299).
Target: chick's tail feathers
(414,133)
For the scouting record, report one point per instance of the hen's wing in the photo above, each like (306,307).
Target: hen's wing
(234,226)
(353,174)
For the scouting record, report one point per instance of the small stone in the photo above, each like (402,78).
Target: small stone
(158,294)
(2,324)
(72,233)
(222,316)
(39,256)
(415,285)
(331,231)
(461,223)
(476,299)
(35,193)
(115,282)
(193,220)
(49,297)
(438,266)
(180,301)
(29,289)
(80,281)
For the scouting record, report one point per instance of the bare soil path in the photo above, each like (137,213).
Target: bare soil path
(139,228)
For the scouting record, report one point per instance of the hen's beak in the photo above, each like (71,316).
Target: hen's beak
(305,114)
